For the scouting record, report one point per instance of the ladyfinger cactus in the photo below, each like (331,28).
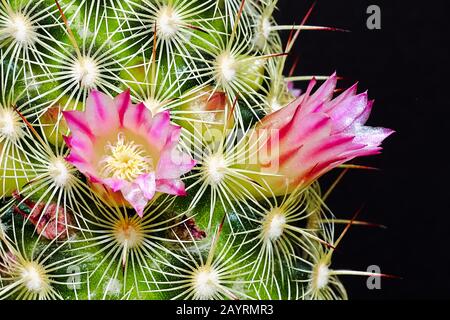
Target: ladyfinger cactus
(153,149)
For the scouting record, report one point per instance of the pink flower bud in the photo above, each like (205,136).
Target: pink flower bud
(314,134)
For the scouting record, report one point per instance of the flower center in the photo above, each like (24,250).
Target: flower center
(128,233)
(206,282)
(321,276)
(125,160)
(168,22)
(34,277)
(19,28)
(10,124)
(274,224)
(85,71)
(215,168)
(226,68)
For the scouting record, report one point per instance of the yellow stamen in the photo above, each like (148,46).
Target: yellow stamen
(125,160)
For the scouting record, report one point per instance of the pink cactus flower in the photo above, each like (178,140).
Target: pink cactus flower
(124,148)
(316,133)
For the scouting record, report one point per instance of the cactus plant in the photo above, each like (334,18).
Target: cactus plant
(154,149)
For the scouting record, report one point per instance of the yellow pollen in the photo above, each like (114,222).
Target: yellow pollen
(125,160)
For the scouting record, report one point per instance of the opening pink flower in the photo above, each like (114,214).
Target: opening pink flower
(121,146)
(314,134)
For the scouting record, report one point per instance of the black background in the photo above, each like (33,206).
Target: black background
(403,67)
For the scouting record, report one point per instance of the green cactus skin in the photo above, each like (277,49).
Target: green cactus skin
(211,244)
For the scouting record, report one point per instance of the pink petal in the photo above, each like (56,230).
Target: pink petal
(161,128)
(115,184)
(370,136)
(345,113)
(323,167)
(344,95)
(173,164)
(171,186)
(280,117)
(310,155)
(147,184)
(294,91)
(333,146)
(122,103)
(101,113)
(174,135)
(300,131)
(82,146)
(324,93)
(68,141)
(135,197)
(136,118)
(364,116)
(80,163)
(77,122)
